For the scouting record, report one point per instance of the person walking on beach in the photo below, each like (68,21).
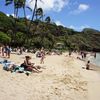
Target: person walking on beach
(0,50)
(42,56)
(20,50)
(94,54)
(7,51)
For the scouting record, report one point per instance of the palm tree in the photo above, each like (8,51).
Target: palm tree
(8,2)
(35,7)
(34,12)
(23,5)
(39,12)
(48,19)
(17,4)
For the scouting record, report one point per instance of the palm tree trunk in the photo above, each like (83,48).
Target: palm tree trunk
(36,8)
(25,16)
(14,31)
(25,13)
(16,13)
(34,11)
(42,17)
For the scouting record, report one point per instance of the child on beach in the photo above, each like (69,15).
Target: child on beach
(88,65)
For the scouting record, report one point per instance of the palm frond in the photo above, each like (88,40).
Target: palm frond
(7,2)
(29,8)
(34,0)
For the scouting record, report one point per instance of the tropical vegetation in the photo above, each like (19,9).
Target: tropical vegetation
(42,32)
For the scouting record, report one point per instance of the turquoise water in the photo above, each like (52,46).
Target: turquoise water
(96,60)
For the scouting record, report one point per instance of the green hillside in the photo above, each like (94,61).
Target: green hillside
(16,32)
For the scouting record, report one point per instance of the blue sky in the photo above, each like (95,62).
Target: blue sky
(76,14)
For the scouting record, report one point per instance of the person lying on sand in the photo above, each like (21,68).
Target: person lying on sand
(28,66)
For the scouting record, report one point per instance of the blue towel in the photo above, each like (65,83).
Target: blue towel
(6,66)
(18,69)
(4,61)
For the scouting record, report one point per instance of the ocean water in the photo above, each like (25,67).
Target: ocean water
(96,60)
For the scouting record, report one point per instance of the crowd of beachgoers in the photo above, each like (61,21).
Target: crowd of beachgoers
(27,65)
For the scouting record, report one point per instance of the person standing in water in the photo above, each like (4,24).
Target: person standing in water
(95,55)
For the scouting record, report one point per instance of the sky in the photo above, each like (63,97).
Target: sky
(75,14)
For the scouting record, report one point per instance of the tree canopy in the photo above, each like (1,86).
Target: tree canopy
(46,34)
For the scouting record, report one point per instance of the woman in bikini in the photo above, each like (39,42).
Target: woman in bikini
(28,66)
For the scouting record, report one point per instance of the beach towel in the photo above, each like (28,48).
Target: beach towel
(6,64)
(20,70)
(17,68)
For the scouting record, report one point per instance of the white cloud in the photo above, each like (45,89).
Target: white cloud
(12,15)
(80,28)
(72,27)
(59,23)
(81,8)
(47,5)
(8,15)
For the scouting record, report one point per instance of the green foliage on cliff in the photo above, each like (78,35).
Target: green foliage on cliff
(43,34)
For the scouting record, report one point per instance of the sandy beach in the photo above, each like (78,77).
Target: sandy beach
(62,78)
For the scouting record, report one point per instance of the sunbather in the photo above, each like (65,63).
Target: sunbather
(28,66)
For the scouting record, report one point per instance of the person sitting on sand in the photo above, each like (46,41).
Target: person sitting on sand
(79,58)
(70,53)
(88,65)
(28,66)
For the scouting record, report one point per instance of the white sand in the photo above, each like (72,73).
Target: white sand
(63,79)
